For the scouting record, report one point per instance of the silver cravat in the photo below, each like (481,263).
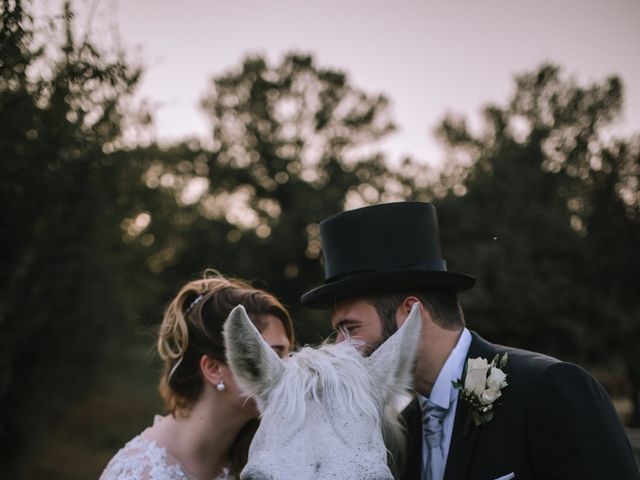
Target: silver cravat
(432,435)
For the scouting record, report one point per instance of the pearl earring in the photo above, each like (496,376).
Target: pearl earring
(221,387)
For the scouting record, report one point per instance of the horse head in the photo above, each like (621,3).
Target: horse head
(327,412)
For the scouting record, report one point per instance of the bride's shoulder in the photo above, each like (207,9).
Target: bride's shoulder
(142,459)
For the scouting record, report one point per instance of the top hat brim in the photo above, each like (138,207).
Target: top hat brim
(329,294)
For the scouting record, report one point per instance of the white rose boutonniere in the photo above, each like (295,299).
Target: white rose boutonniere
(475,381)
(481,386)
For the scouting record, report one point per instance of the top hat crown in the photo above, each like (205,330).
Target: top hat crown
(391,247)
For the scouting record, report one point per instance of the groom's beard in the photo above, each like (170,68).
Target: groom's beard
(388,329)
(366,348)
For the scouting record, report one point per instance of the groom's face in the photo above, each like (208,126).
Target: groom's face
(357,318)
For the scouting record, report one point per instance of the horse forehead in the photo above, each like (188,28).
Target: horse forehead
(318,450)
(321,421)
(318,416)
(324,434)
(328,388)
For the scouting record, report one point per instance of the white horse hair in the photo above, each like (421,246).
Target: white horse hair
(335,374)
(326,412)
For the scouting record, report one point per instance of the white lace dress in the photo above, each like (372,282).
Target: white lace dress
(144,459)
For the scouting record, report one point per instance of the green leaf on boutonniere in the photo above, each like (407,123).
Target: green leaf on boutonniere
(481,418)
(503,361)
(499,361)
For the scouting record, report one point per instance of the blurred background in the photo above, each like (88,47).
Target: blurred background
(142,142)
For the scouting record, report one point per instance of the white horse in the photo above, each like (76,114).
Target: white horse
(327,412)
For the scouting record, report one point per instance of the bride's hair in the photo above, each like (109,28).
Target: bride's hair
(192,326)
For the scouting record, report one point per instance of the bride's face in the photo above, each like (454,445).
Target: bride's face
(273,332)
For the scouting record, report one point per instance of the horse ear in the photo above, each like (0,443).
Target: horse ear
(255,366)
(391,365)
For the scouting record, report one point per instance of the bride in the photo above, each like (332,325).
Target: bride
(209,424)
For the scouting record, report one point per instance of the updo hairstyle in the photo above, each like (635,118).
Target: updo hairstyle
(192,327)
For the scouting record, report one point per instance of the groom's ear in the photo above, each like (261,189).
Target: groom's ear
(405,309)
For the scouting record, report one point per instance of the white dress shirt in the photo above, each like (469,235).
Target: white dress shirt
(444,394)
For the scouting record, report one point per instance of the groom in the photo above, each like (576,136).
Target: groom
(545,420)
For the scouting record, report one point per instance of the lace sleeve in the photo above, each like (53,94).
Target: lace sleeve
(142,459)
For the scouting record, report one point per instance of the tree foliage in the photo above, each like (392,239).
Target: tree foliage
(291,144)
(543,204)
(62,190)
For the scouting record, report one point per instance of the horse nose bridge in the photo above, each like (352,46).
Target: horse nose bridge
(368,475)
(370,469)
(254,475)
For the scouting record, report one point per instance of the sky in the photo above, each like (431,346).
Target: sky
(429,57)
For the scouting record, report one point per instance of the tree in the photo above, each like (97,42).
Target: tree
(544,207)
(292,144)
(64,290)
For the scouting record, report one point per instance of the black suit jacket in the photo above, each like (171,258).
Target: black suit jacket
(554,421)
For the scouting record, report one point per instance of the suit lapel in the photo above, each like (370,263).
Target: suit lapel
(462,442)
(413,462)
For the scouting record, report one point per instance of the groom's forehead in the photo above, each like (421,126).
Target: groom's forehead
(358,309)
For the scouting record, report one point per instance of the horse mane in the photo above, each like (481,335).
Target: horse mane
(335,374)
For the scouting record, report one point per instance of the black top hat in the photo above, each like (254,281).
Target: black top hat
(390,247)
